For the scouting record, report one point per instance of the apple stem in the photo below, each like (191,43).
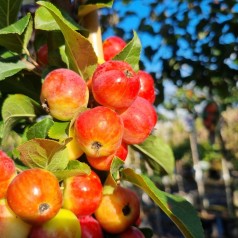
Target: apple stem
(18,170)
(91,23)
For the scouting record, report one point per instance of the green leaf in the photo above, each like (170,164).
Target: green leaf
(116,165)
(148,232)
(58,130)
(43,153)
(9,10)
(179,210)
(16,36)
(79,50)
(131,52)
(14,108)
(159,151)
(45,21)
(92,6)
(39,129)
(73,168)
(9,69)
(22,83)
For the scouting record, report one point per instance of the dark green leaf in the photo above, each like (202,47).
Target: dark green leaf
(148,232)
(159,151)
(9,10)
(40,129)
(179,210)
(16,36)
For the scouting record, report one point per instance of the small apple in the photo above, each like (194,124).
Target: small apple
(35,195)
(147,88)
(118,210)
(64,225)
(112,46)
(115,85)
(11,226)
(131,232)
(99,131)
(90,227)
(7,172)
(139,120)
(63,93)
(42,55)
(82,193)
(104,163)
(74,150)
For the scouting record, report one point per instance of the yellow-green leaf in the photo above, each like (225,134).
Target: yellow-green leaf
(179,210)
(79,50)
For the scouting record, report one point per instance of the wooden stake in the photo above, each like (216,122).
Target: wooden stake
(91,22)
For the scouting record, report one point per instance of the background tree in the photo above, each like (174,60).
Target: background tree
(189,42)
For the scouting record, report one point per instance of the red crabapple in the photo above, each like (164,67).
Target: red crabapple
(115,85)
(112,46)
(147,88)
(139,120)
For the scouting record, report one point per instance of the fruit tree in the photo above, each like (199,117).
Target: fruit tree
(69,116)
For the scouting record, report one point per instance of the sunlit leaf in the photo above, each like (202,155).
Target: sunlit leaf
(58,130)
(84,9)
(79,50)
(155,148)
(179,210)
(45,21)
(43,153)
(9,69)
(15,108)
(73,168)
(131,52)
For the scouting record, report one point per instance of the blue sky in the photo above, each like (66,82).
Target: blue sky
(138,9)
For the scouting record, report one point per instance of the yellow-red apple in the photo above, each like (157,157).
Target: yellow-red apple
(7,172)
(104,163)
(119,209)
(64,225)
(35,195)
(74,150)
(11,226)
(63,93)
(82,193)
(99,131)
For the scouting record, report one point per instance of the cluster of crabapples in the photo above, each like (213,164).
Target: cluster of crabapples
(109,112)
